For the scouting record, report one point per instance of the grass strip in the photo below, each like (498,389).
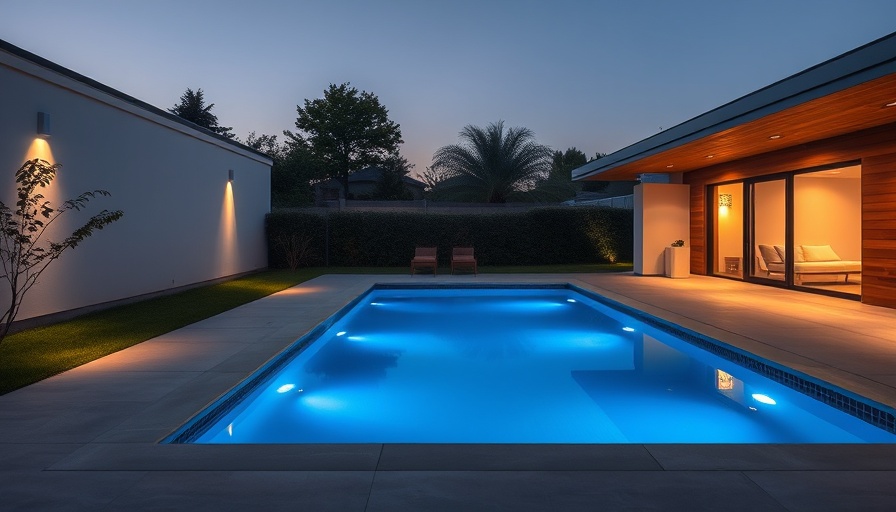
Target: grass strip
(35,354)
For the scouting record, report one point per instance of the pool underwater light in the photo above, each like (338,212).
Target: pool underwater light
(628,329)
(286,388)
(764,399)
(340,333)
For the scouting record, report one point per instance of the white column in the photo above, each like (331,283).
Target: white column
(662,216)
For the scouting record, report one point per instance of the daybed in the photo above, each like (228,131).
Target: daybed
(809,260)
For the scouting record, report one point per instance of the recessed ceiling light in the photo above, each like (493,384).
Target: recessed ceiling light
(774,137)
(891,104)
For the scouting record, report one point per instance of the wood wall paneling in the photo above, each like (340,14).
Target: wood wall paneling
(875,148)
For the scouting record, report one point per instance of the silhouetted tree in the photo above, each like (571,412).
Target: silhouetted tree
(562,163)
(391,186)
(346,131)
(293,172)
(192,107)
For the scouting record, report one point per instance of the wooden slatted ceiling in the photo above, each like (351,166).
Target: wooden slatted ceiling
(857,108)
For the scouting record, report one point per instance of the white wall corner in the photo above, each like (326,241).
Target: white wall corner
(662,215)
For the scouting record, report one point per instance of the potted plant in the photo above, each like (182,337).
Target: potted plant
(677,260)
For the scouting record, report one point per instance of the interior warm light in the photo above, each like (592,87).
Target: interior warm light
(724,381)
(286,388)
(764,399)
(43,124)
(628,329)
(725,200)
(774,137)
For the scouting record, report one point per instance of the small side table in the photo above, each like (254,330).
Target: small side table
(732,265)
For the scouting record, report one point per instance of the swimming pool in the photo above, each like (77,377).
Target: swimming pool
(526,364)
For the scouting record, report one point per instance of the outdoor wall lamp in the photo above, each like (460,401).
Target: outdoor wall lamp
(43,124)
(230,175)
(725,200)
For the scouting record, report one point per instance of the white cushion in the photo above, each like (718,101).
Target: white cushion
(819,253)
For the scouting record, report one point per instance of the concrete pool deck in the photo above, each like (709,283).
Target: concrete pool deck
(87,439)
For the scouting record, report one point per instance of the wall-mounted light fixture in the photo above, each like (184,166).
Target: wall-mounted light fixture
(43,124)
(230,175)
(725,200)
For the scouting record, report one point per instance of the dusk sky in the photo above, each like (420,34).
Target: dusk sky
(597,75)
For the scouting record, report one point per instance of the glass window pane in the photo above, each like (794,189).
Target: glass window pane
(827,229)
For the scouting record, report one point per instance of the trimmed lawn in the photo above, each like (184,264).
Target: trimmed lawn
(35,354)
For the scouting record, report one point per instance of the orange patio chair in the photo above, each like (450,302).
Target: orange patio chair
(424,257)
(463,257)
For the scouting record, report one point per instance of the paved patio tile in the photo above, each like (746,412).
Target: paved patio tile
(33,456)
(478,457)
(49,491)
(167,356)
(82,386)
(774,457)
(821,491)
(566,491)
(205,457)
(215,491)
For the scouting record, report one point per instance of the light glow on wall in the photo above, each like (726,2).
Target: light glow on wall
(39,148)
(228,260)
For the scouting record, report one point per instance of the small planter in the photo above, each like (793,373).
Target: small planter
(678,262)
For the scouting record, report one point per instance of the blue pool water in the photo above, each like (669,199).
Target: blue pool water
(513,366)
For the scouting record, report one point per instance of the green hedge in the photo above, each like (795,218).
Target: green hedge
(541,236)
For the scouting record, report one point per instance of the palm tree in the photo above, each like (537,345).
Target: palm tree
(490,165)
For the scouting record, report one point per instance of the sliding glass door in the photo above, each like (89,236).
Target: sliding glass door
(727,209)
(799,229)
(827,230)
(768,229)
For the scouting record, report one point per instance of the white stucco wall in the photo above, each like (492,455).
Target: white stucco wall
(183,222)
(662,215)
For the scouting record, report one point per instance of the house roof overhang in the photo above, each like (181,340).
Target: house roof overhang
(851,92)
